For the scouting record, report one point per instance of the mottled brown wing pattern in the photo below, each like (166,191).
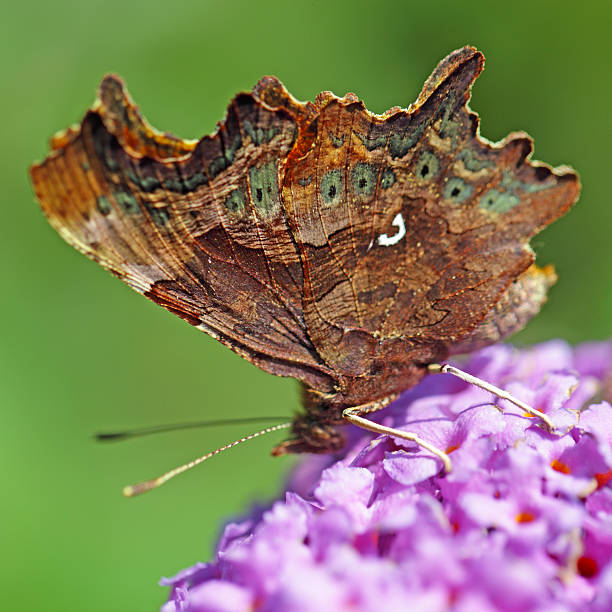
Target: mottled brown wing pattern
(518,304)
(198,227)
(413,228)
(318,240)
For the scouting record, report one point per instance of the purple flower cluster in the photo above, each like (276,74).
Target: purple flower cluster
(523,522)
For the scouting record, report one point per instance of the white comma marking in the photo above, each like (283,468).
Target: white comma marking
(386,240)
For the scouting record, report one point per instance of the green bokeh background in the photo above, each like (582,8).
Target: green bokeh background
(80,352)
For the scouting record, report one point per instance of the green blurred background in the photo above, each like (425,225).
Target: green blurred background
(80,352)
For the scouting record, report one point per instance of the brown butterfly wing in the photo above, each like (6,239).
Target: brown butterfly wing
(520,302)
(317,240)
(197,227)
(412,228)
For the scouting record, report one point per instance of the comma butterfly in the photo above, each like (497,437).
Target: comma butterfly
(349,250)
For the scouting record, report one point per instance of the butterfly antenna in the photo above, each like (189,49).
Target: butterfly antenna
(147,485)
(115,436)
(437,368)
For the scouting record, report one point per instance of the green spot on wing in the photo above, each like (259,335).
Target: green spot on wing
(471,162)
(195,180)
(175,184)
(387,179)
(264,186)
(149,183)
(221,162)
(127,201)
(337,141)
(217,165)
(160,216)
(457,190)
(372,143)
(363,179)
(427,166)
(331,187)
(235,201)
(230,152)
(498,201)
(103,205)
(400,144)
(511,182)
(260,135)
(447,126)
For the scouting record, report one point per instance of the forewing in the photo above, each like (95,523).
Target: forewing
(411,226)
(197,227)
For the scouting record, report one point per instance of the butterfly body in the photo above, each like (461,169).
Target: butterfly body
(318,240)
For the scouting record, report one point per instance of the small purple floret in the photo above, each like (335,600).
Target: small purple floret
(522,523)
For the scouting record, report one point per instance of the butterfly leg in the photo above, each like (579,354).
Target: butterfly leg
(437,368)
(355,416)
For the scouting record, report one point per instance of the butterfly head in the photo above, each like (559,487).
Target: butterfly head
(311,435)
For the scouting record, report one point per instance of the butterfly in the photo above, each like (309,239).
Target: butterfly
(349,250)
